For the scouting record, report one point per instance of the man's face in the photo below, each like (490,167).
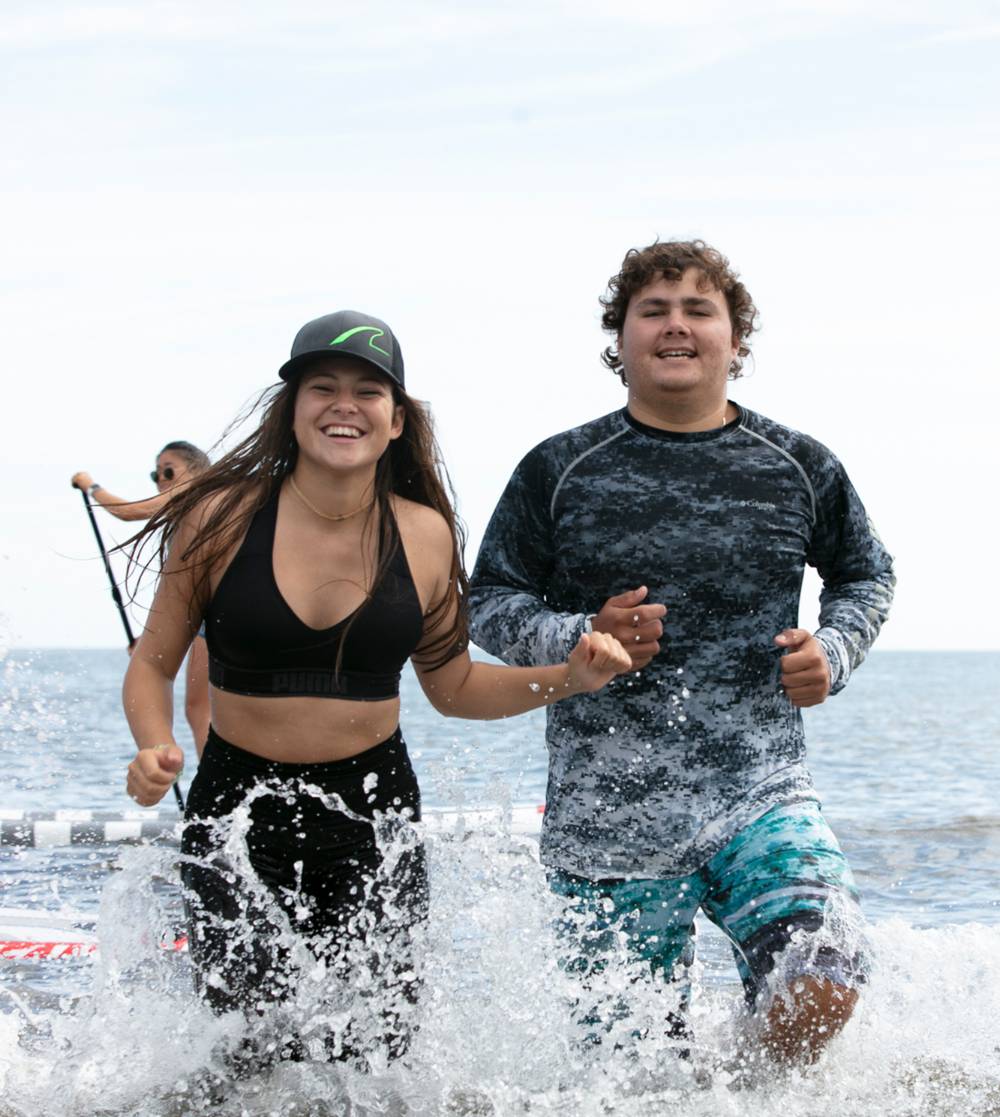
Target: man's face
(677,342)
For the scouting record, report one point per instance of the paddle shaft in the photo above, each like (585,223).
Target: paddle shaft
(116,594)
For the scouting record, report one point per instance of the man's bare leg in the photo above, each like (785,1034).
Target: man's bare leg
(801,1023)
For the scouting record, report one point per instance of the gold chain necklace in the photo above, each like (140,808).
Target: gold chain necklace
(325,515)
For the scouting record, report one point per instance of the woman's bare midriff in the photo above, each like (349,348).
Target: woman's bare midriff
(302,730)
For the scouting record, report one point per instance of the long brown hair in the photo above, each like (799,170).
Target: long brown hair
(244,479)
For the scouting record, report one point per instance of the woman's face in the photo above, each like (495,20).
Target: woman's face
(170,469)
(345,414)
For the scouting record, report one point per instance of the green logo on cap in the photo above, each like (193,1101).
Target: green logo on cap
(375,332)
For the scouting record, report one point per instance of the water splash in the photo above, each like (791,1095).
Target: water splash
(496,1031)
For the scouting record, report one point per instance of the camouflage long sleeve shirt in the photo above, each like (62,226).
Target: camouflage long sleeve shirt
(654,774)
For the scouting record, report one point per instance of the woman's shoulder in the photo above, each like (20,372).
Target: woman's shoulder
(421,525)
(215,525)
(198,516)
(429,546)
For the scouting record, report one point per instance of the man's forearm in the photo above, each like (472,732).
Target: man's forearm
(851,616)
(519,628)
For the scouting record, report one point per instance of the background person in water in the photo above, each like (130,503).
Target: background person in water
(176,465)
(687,786)
(322,552)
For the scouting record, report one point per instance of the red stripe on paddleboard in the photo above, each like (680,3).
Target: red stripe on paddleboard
(30,950)
(46,949)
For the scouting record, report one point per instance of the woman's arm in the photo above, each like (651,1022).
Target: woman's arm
(117,505)
(466,689)
(148,691)
(197,707)
(462,688)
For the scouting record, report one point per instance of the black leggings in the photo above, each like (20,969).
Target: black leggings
(324,879)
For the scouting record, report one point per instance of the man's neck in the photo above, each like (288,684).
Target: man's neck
(678,415)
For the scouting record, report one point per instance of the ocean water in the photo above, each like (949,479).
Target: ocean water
(907,761)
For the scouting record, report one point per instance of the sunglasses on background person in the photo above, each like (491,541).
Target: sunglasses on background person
(167,474)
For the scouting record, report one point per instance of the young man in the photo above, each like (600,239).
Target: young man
(685,785)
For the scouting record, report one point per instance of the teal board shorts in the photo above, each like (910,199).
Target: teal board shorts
(780,890)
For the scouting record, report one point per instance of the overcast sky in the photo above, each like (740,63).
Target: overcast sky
(185,184)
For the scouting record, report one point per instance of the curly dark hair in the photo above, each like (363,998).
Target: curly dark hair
(671,259)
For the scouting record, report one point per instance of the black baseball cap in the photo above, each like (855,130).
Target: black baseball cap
(346,333)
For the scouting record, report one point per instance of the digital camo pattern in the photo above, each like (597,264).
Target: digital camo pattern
(653,775)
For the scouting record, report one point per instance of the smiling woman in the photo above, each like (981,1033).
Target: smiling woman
(321,554)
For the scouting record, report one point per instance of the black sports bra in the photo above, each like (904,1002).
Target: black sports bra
(258,646)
